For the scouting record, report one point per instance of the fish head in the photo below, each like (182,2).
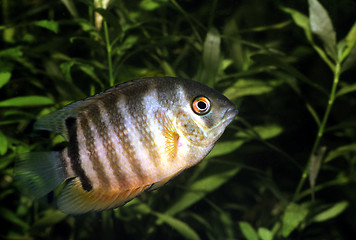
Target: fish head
(204,116)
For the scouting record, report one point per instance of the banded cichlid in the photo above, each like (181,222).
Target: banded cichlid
(131,138)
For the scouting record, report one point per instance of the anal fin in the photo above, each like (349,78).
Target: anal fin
(75,200)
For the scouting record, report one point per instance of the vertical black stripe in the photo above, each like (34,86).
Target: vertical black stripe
(73,153)
(109,145)
(118,121)
(94,115)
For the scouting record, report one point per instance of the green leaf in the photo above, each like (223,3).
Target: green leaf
(49,218)
(225,220)
(313,113)
(3,144)
(48,24)
(11,217)
(265,234)
(332,212)
(350,60)
(248,231)
(6,193)
(71,7)
(349,43)
(211,57)
(201,187)
(26,101)
(89,70)
(222,148)
(246,87)
(321,25)
(150,5)
(12,52)
(347,123)
(315,164)
(6,161)
(228,224)
(66,69)
(351,36)
(127,44)
(346,89)
(178,225)
(268,131)
(4,78)
(264,132)
(200,219)
(293,215)
(140,208)
(90,28)
(341,151)
(301,21)
(58,139)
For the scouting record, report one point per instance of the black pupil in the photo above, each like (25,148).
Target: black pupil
(201,105)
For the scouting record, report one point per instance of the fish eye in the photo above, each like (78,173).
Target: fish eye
(201,105)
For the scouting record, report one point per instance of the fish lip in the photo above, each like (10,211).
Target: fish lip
(227,117)
(229,114)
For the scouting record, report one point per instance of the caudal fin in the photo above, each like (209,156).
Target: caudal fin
(39,173)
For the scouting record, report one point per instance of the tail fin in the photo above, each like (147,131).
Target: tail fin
(40,172)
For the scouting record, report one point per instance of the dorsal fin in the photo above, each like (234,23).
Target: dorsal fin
(55,121)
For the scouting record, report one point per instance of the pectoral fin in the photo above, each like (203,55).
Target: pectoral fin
(172,137)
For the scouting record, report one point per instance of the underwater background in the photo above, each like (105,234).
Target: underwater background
(284,169)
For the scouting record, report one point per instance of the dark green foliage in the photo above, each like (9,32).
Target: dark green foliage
(285,169)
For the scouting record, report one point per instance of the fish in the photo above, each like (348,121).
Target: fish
(131,138)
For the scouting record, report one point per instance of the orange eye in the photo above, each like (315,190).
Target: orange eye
(201,105)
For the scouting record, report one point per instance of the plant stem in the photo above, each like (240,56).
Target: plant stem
(337,73)
(108,48)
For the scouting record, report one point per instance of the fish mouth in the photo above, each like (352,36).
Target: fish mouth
(229,114)
(226,118)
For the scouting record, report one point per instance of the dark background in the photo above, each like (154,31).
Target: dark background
(52,53)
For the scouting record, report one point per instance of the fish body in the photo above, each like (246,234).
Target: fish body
(131,138)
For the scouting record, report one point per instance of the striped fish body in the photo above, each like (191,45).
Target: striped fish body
(130,138)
